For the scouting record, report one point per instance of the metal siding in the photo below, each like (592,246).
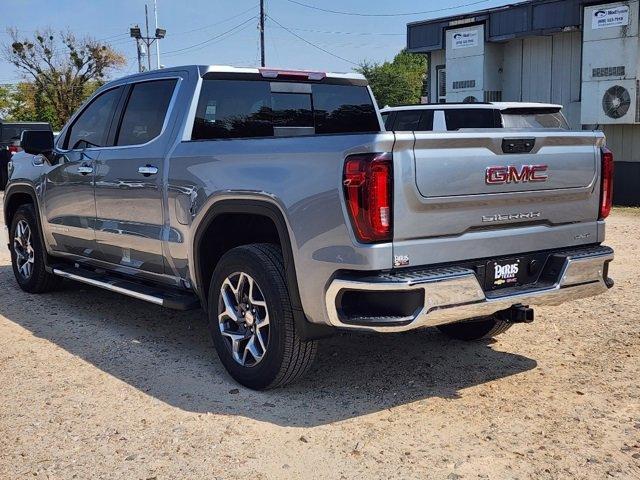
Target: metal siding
(625,183)
(493,67)
(624,141)
(536,69)
(512,71)
(437,58)
(565,74)
(424,38)
(509,22)
(558,14)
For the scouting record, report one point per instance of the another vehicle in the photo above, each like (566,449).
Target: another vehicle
(450,117)
(10,133)
(275,200)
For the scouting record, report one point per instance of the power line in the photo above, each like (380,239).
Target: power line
(113,37)
(329,32)
(356,14)
(311,43)
(207,42)
(217,23)
(116,40)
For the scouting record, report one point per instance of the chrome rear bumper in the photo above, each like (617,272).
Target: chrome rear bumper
(452,294)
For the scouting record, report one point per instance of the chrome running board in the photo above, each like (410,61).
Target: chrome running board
(164,297)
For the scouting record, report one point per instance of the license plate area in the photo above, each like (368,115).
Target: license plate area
(513,271)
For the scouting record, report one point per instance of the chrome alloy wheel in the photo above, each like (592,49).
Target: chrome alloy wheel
(243,318)
(23,249)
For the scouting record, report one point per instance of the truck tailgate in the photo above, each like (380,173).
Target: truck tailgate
(469,195)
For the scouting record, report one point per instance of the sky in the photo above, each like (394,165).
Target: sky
(225,32)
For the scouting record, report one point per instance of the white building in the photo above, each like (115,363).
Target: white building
(578,53)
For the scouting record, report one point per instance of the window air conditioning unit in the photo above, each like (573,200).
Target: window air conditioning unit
(610,79)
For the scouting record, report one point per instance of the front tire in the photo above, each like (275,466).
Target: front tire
(485,327)
(27,252)
(251,320)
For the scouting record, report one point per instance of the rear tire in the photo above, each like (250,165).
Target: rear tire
(484,327)
(28,254)
(251,320)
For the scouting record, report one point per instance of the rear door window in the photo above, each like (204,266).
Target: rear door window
(426,121)
(145,112)
(407,120)
(250,109)
(387,119)
(10,132)
(418,120)
(458,118)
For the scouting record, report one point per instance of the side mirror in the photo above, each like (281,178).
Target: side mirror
(36,142)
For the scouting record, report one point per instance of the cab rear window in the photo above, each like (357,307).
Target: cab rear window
(255,109)
(531,118)
(472,118)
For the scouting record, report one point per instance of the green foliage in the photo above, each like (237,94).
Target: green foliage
(27,103)
(397,82)
(5,100)
(61,73)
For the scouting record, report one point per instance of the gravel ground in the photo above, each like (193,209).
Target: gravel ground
(95,385)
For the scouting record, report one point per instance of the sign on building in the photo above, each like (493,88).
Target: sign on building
(465,39)
(610,17)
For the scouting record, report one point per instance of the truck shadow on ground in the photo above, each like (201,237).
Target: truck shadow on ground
(169,356)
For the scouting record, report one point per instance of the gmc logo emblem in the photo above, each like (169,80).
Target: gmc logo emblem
(513,174)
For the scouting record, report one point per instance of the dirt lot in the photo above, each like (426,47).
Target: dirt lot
(95,385)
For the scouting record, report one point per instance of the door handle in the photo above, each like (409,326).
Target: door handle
(147,170)
(85,169)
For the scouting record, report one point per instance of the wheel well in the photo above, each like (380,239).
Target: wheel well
(15,201)
(227,231)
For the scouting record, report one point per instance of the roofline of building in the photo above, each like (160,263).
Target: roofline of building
(464,16)
(515,20)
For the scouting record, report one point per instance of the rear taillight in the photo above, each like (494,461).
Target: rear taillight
(13,149)
(606,190)
(368,191)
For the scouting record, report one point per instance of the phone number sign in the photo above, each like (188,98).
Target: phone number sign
(610,17)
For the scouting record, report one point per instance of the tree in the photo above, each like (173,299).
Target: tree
(5,100)
(24,102)
(397,82)
(63,71)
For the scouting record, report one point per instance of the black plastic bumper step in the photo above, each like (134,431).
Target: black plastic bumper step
(165,297)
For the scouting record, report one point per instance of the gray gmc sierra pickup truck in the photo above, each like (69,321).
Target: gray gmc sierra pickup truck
(276,201)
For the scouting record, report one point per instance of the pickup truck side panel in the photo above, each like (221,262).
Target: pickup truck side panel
(280,171)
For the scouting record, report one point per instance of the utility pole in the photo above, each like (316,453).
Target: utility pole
(155,13)
(136,33)
(146,18)
(262,60)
